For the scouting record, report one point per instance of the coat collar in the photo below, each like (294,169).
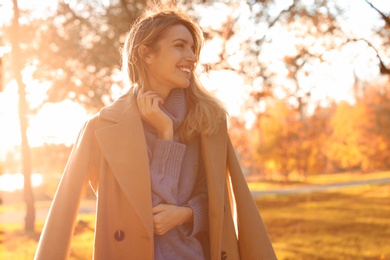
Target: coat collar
(124,147)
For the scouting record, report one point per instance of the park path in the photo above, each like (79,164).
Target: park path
(315,188)
(17,216)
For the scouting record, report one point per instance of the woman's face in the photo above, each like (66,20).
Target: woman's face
(172,65)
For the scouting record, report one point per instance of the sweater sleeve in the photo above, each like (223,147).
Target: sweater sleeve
(165,166)
(199,205)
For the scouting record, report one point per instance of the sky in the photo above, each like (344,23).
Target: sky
(334,80)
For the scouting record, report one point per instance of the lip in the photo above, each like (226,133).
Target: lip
(187,72)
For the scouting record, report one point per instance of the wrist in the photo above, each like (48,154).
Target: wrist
(166,134)
(188,214)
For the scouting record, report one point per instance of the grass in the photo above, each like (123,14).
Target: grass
(352,223)
(15,243)
(83,238)
(348,223)
(19,245)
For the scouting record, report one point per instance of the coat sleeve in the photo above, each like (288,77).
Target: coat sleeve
(58,230)
(253,239)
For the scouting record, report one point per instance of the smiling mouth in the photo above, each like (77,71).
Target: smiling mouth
(185,70)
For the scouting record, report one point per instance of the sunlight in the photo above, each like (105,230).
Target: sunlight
(14,182)
(213,16)
(40,9)
(54,123)
(57,123)
(211,51)
(229,87)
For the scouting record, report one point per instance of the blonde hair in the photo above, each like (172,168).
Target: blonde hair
(204,111)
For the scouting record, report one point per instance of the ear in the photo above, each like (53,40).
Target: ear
(144,53)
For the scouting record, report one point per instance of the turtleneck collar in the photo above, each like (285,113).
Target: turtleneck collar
(175,107)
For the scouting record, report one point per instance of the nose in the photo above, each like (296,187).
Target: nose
(192,57)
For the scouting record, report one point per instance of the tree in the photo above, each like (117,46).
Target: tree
(79,50)
(384,34)
(277,150)
(242,142)
(376,132)
(285,143)
(17,67)
(359,138)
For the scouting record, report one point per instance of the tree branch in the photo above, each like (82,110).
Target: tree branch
(272,23)
(384,17)
(382,67)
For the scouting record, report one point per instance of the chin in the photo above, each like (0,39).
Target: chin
(184,85)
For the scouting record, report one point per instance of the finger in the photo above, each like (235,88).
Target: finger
(159,228)
(159,208)
(141,103)
(152,105)
(156,102)
(143,93)
(147,98)
(150,100)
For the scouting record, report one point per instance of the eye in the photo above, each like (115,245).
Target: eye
(180,45)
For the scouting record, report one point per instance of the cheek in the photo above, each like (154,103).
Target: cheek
(176,56)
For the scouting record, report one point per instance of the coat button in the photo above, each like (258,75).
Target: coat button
(223,255)
(119,235)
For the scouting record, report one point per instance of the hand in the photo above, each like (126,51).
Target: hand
(148,105)
(166,217)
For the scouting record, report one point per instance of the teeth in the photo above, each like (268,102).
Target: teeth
(185,70)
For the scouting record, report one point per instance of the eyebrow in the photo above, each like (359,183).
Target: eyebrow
(182,40)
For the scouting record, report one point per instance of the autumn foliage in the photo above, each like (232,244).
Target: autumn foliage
(341,137)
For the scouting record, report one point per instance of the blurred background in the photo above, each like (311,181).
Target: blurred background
(306,84)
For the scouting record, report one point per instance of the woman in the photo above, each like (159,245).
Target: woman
(156,159)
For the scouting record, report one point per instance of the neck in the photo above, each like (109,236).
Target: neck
(161,92)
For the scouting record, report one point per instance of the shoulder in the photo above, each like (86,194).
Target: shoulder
(112,113)
(222,126)
(218,138)
(117,110)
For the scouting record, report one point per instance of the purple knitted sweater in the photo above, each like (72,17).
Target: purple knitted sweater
(177,178)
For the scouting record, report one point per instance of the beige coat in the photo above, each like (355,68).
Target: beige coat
(110,154)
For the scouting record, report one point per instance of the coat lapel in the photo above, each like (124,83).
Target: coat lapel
(214,150)
(123,144)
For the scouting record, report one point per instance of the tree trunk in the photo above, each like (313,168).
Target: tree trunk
(17,66)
